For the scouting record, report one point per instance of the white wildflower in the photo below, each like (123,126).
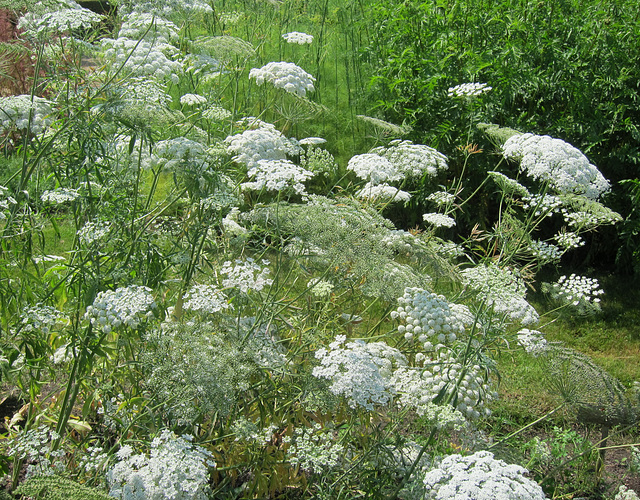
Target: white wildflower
(264,143)
(545,252)
(439,220)
(245,275)
(374,168)
(382,193)
(533,341)
(468,90)
(21,112)
(284,75)
(413,160)
(277,175)
(206,299)
(441,198)
(193,99)
(126,306)
(568,240)
(59,196)
(93,232)
(579,291)
(297,37)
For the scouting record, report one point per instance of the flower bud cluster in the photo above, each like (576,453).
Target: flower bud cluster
(427,315)
(439,220)
(315,449)
(126,306)
(382,193)
(41,318)
(93,232)
(587,220)
(468,90)
(16,110)
(319,287)
(508,185)
(297,37)
(413,160)
(206,299)
(277,175)
(284,75)
(545,252)
(246,275)
(480,476)
(556,162)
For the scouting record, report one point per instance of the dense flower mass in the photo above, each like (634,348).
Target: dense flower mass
(533,341)
(67,16)
(277,175)
(479,477)
(439,220)
(124,306)
(413,160)
(382,193)
(60,195)
(578,291)
(246,275)
(192,99)
(556,162)
(263,143)
(359,371)
(205,299)
(284,75)
(373,168)
(25,112)
(297,37)
(143,58)
(468,90)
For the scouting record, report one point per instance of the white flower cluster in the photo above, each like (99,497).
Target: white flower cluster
(413,160)
(314,449)
(41,318)
(4,203)
(382,193)
(175,468)
(264,143)
(427,315)
(246,275)
(34,447)
(587,220)
(277,175)
(157,29)
(297,37)
(359,371)
(533,341)
(143,58)
(65,18)
(403,241)
(501,290)
(63,354)
(93,232)
(319,287)
(206,299)
(124,306)
(568,240)
(216,113)
(59,195)
(554,161)
(625,493)
(284,75)
(543,205)
(441,198)
(16,110)
(193,99)
(374,168)
(450,249)
(246,430)
(545,252)
(439,220)
(178,152)
(468,90)
(479,477)
(508,185)
(578,291)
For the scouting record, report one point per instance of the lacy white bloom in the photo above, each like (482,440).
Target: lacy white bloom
(426,314)
(441,198)
(588,220)
(67,17)
(154,28)
(413,160)
(179,152)
(206,299)
(143,58)
(533,341)
(468,90)
(545,252)
(284,75)
(480,477)
(382,193)
(554,161)
(262,143)
(124,306)
(625,493)
(568,240)
(312,141)
(373,168)
(359,371)
(543,205)
(319,287)
(277,175)
(15,111)
(175,468)
(93,232)
(315,449)
(297,37)
(193,99)
(502,290)
(59,196)
(41,318)
(439,220)
(216,113)
(579,291)
(245,275)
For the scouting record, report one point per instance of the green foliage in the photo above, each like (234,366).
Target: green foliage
(58,488)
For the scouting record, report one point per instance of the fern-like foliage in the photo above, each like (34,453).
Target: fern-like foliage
(58,488)
(597,397)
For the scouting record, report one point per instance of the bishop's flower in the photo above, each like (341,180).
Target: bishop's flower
(413,160)
(277,175)
(25,111)
(124,306)
(284,75)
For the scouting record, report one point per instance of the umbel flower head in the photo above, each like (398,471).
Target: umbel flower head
(123,306)
(15,111)
(297,37)
(556,162)
(284,75)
